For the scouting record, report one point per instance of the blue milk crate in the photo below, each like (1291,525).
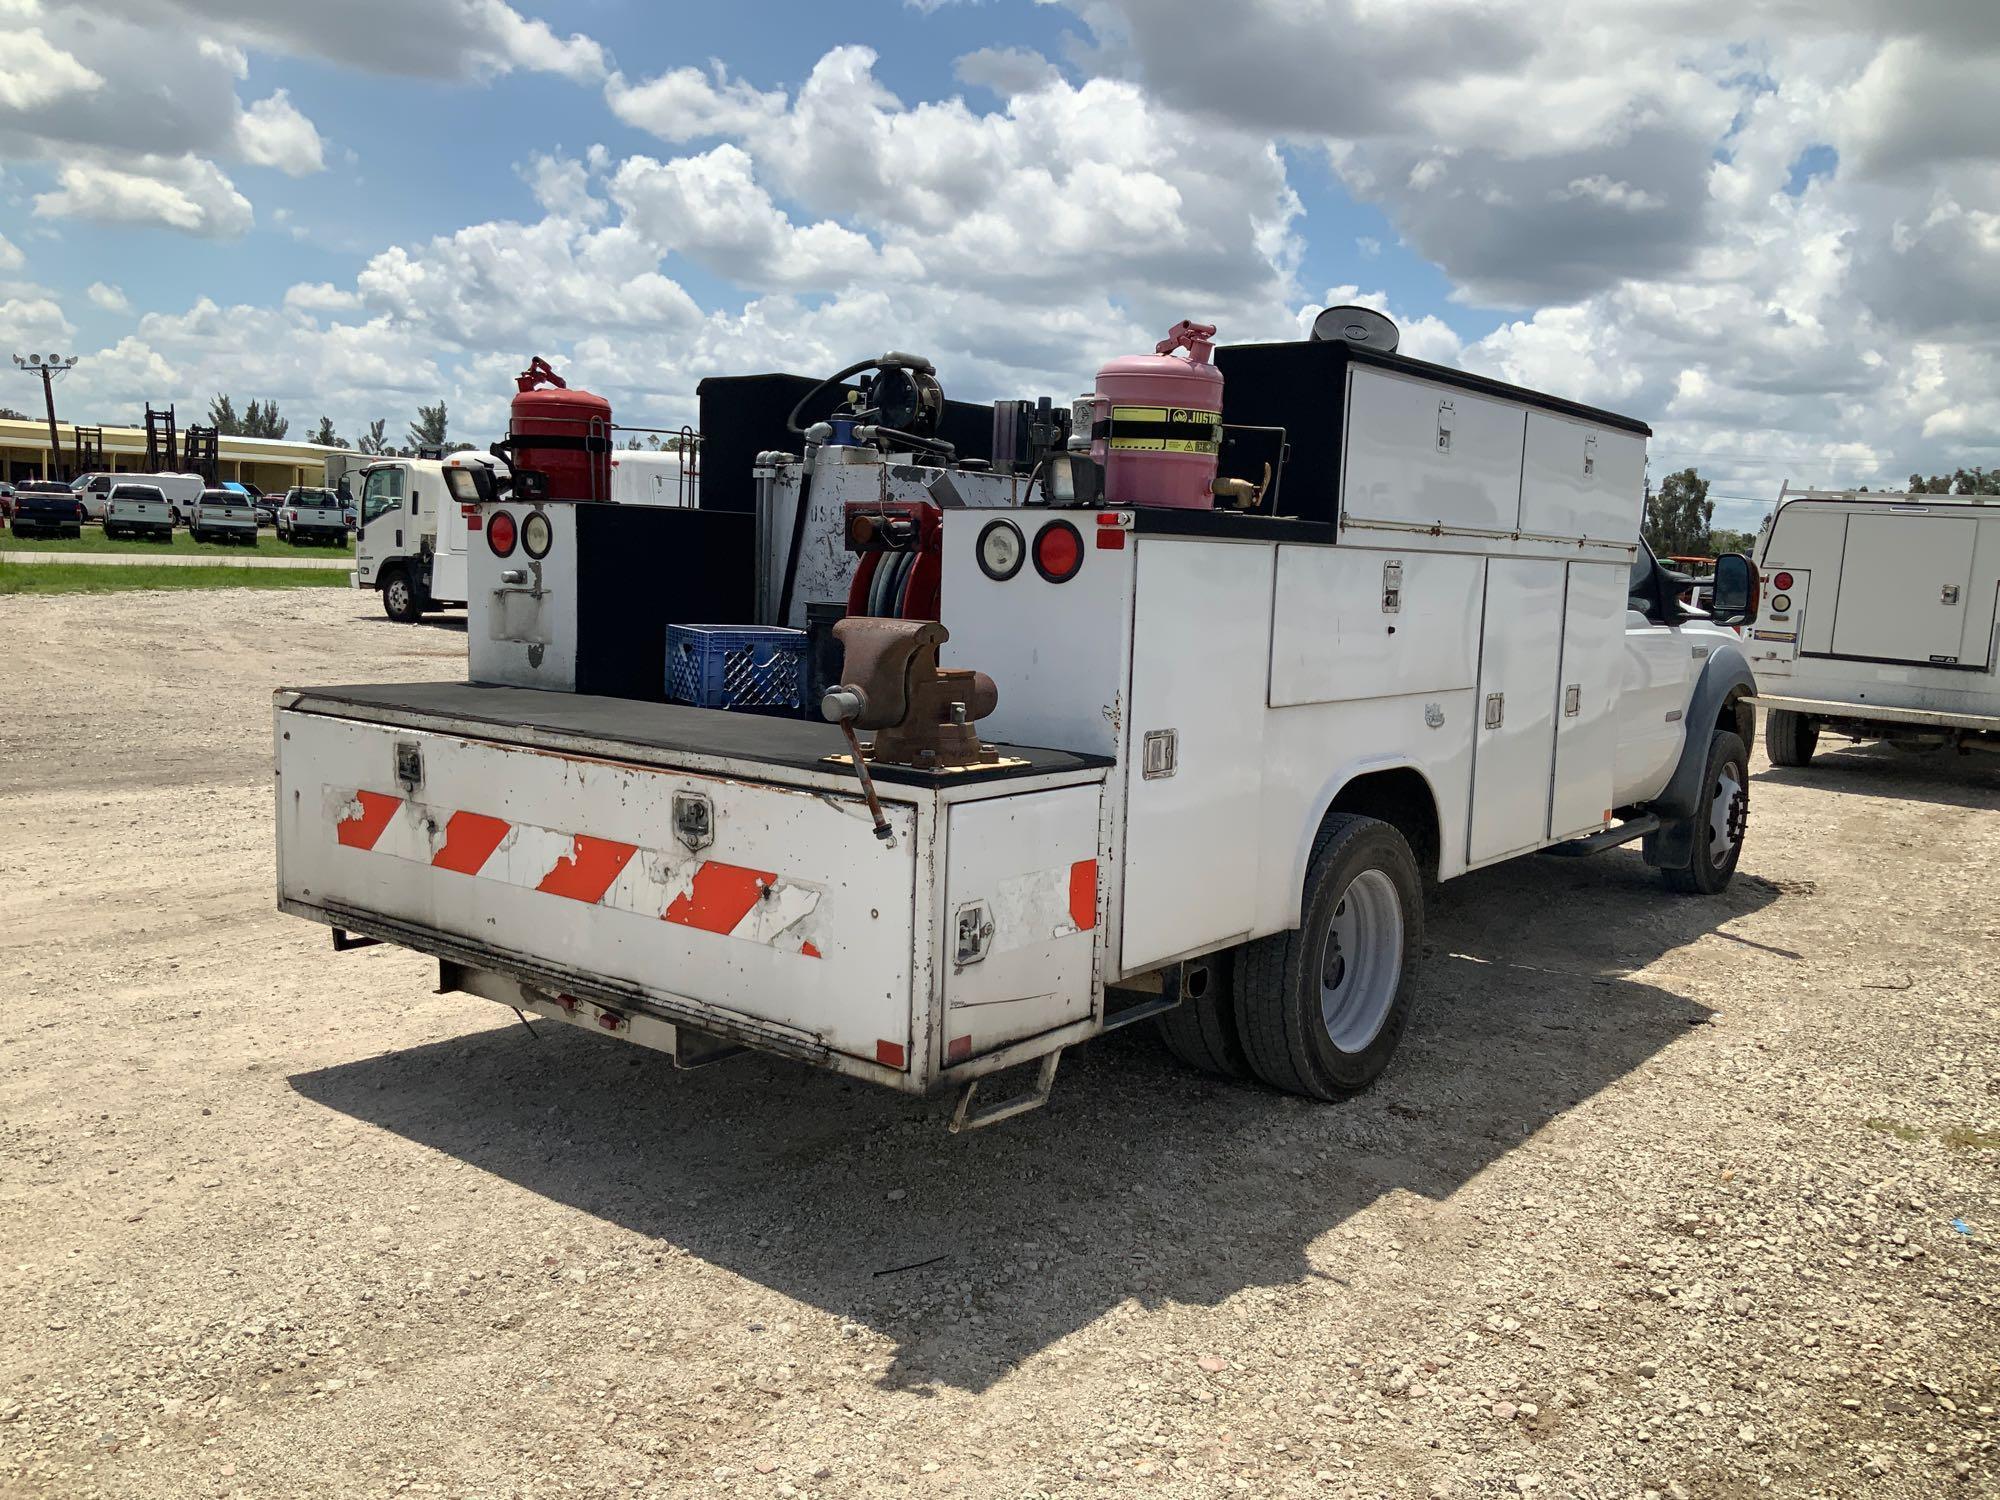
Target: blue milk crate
(751,668)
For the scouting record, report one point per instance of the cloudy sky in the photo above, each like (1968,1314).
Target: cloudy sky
(1769,227)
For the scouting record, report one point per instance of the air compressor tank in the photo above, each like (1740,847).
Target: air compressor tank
(1157,422)
(564,433)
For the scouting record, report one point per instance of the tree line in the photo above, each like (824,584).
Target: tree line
(262,419)
(1680,520)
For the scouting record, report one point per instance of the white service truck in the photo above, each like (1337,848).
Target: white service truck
(1880,621)
(410,535)
(1229,752)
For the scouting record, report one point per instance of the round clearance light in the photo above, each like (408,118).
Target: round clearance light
(1058,551)
(1780,603)
(501,533)
(1782,581)
(537,534)
(1001,550)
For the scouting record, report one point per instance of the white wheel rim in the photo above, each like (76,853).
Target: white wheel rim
(1361,963)
(1722,814)
(399,595)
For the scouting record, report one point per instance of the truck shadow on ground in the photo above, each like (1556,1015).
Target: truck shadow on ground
(1874,770)
(1140,1181)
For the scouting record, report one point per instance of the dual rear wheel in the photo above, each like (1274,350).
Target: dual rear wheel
(1317,1010)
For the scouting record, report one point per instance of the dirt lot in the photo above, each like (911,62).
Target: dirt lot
(1695,1197)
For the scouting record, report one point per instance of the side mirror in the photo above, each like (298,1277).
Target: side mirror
(1734,600)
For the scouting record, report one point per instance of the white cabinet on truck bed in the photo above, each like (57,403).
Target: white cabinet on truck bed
(1880,620)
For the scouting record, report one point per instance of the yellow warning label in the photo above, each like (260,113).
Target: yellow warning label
(1165,429)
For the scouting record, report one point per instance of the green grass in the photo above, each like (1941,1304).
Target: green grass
(89,578)
(93,540)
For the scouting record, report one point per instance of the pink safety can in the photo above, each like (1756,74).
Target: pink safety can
(1157,422)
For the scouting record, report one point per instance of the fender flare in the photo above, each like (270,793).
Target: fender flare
(1323,804)
(1725,679)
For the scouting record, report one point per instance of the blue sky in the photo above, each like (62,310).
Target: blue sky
(1750,230)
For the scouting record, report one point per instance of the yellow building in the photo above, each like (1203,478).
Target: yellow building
(267,463)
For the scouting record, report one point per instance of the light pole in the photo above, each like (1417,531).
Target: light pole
(48,367)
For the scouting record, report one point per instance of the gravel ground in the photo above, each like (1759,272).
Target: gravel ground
(1665,1196)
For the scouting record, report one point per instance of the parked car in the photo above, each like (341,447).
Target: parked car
(266,508)
(181,491)
(6,500)
(43,507)
(312,515)
(138,510)
(224,514)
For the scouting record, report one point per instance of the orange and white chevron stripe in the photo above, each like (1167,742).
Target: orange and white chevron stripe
(709,895)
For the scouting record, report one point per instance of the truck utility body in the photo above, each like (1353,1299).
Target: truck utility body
(1883,621)
(1226,750)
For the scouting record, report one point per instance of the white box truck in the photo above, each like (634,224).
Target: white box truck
(1880,621)
(410,535)
(1229,752)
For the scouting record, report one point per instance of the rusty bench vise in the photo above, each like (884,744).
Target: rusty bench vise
(922,714)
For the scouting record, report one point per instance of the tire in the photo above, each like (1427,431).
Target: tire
(1719,826)
(1790,738)
(1361,927)
(1201,1030)
(402,600)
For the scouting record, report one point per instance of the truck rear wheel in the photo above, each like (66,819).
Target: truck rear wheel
(1790,738)
(1201,1030)
(1321,1008)
(402,600)
(1720,820)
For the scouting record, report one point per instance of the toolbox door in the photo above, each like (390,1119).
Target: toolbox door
(1905,588)
(1020,917)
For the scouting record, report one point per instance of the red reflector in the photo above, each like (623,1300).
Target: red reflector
(1058,551)
(1110,541)
(889,1054)
(1107,518)
(1782,581)
(502,533)
(472,519)
(958,1049)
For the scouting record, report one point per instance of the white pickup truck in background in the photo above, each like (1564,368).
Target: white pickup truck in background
(138,510)
(311,515)
(1228,754)
(1880,622)
(224,516)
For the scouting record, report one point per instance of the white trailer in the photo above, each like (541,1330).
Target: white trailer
(1881,621)
(1230,751)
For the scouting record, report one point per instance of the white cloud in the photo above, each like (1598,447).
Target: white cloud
(461,39)
(320,296)
(1005,71)
(11,258)
(110,298)
(34,321)
(185,193)
(685,104)
(272,133)
(35,73)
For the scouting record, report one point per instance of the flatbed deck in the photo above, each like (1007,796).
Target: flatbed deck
(647,732)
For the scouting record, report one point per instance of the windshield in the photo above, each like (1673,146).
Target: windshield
(222,497)
(384,493)
(136,492)
(313,497)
